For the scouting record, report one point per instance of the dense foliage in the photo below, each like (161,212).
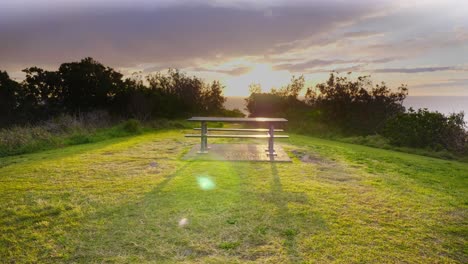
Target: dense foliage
(9,99)
(346,107)
(279,102)
(353,107)
(423,129)
(356,106)
(88,85)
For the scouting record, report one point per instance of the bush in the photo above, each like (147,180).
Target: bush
(426,129)
(132,126)
(79,139)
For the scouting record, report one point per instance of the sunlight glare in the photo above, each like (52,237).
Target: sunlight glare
(183,222)
(206,183)
(261,73)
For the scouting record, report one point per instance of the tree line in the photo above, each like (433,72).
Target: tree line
(341,104)
(88,85)
(351,107)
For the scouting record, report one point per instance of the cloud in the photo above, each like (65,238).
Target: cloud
(361,34)
(297,67)
(323,39)
(459,82)
(163,34)
(355,68)
(234,71)
(415,70)
(309,66)
(364,69)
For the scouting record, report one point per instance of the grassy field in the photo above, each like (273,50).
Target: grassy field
(133,200)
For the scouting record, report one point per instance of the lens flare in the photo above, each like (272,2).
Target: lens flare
(205,183)
(183,222)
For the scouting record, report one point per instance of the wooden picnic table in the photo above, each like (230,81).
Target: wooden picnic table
(271,122)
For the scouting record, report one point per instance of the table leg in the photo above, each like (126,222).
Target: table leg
(271,147)
(204,141)
(206,138)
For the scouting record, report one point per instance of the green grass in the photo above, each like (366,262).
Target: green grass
(29,139)
(121,201)
(378,141)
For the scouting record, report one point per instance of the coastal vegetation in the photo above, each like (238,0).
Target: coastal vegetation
(86,101)
(360,111)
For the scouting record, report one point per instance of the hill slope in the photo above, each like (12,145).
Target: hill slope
(134,200)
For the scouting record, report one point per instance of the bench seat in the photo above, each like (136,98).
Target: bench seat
(237,136)
(241,129)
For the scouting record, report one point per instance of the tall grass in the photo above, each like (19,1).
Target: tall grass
(67,130)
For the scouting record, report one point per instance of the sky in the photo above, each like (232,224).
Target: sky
(423,44)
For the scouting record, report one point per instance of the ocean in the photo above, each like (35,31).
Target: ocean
(442,104)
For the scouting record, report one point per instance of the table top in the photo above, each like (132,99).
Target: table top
(238,119)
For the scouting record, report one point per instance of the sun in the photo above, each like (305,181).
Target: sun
(261,73)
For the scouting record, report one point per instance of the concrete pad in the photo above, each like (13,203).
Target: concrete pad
(238,152)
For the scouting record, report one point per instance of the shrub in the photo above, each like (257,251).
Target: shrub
(79,139)
(424,128)
(132,126)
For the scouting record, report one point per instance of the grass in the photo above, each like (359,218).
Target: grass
(378,141)
(123,200)
(58,133)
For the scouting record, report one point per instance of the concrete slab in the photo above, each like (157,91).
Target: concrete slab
(238,152)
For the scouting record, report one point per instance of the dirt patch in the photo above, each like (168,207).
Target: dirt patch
(328,170)
(306,157)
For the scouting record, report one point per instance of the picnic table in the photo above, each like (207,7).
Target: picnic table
(270,131)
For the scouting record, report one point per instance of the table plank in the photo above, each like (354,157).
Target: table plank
(238,119)
(237,136)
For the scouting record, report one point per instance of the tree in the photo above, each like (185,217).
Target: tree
(279,102)
(41,92)
(9,100)
(182,95)
(213,100)
(255,88)
(88,85)
(293,89)
(358,107)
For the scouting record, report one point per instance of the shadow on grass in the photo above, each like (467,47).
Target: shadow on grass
(289,233)
(228,222)
(293,223)
(58,153)
(129,229)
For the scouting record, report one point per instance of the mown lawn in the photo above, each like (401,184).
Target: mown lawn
(123,200)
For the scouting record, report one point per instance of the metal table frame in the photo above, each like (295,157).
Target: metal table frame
(204,128)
